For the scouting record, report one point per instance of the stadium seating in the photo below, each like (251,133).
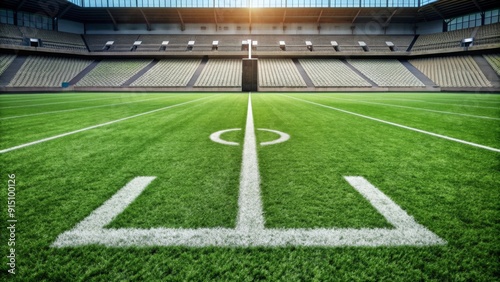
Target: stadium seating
(55,40)
(42,71)
(221,73)
(113,72)
(169,73)
(386,72)
(5,61)
(494,61)
(10,35)
(459,71)
(488,34)
(279,73)
(442,40)
(332,73)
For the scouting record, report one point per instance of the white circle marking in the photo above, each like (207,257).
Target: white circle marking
(283,137)
(216,137)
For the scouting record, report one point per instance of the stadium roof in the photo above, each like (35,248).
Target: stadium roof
(312,11)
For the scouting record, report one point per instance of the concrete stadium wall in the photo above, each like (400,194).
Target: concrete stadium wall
(370,28)
(71,27)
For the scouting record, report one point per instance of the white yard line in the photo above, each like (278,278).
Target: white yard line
(402,126)
(103,215)
(91,230)
(78,109)
(93,127)
(66,102)
(250,218)
(415,108)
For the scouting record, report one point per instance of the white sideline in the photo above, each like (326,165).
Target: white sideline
(25,106)
(77,109)
(415,108)
(402,126)
(93,127)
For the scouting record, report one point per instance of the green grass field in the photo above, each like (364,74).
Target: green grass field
(437,156)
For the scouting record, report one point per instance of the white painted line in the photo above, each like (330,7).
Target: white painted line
(415,108)
(93,127)
(402,126)
(103,215)
(283,137)
(91,230)
(250,214)
(448,104)
(77,109)
(66,102)
(217,139)
(468,100)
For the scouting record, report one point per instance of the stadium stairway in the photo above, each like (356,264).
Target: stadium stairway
(11,71)
(359,73)
(488,71)
(303,73)
(418,74)
(412,43)
(197,73)
(140,73)
(84,72)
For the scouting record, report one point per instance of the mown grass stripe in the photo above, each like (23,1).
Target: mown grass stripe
(65,102)
(402,126)
(78,109)
(93,127)
(416,108)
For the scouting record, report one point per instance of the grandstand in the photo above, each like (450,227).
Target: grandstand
(168,73)
(329,46)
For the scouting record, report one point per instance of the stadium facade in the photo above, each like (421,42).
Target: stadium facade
(301,45)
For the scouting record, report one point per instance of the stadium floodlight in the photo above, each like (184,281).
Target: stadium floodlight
(108,45)
(390,45)
(190,45)
(34,42)
(309,45)
(215,45)
(467,42)
(363,45)
(283,45)
(164,45)
(335,45)
(136,44)
(244,45)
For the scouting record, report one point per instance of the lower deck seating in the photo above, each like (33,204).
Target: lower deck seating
(494,61)
(458,71)
(169,73)
(42,71)
(5,61)
(221,73)
(332,73)
(113,72)
(386,72)
(279,73)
